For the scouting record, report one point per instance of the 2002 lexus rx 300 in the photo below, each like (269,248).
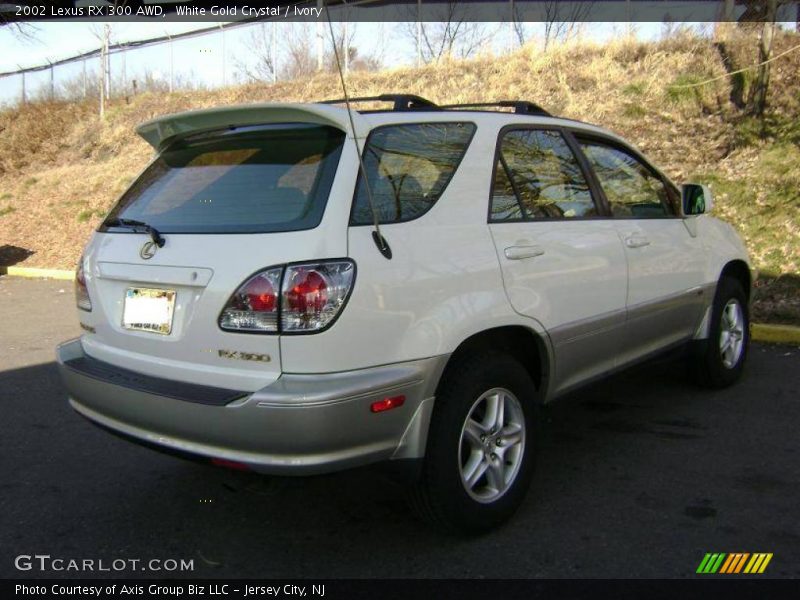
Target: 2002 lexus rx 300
(295,290)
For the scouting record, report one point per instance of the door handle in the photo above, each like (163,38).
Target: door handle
(636,241)
(520,252)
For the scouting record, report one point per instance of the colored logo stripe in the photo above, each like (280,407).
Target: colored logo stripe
(758,563)
(720,562)
(711,562)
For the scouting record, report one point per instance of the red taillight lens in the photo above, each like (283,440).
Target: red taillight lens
(254,306)
(308,292)
(82,298)
(261,295)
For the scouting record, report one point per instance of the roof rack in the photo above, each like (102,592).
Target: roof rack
(521,107)
(406,102)
(401,101)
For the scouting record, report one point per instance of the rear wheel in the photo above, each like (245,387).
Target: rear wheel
(481,444)
(719,360)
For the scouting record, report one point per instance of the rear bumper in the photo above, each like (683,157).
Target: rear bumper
(299,424)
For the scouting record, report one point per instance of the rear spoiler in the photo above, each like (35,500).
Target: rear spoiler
(162,131)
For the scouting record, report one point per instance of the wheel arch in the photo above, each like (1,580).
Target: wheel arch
(740,271)
(519,341)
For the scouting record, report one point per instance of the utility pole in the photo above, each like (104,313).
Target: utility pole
(52,81)
(419,33)
(224,76)
(107,61)
(171,63)
(102,79)
(84,78)
(320,47)
(24,96)
(511,27)
(275,52)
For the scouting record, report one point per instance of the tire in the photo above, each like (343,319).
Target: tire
(718,361)
(471,389)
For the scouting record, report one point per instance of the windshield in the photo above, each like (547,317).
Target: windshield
(260,179)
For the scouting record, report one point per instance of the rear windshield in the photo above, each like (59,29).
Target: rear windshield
(253,180)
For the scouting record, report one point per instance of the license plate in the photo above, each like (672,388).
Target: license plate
(147,309)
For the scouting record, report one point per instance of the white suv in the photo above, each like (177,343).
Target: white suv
(297,289)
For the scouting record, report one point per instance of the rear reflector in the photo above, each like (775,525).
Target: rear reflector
(229,464)
(387,404)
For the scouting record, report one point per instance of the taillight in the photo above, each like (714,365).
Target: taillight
(311,296)
(254,306)
(81,291)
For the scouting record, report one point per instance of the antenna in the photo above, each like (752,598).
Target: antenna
(380,241)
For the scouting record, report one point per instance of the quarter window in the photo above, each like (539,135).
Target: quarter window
(632,188)
(408,168)
(538,177)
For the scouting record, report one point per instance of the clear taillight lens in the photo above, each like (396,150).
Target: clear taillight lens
(299,298)
(313,294)
(254,306)
(81,291)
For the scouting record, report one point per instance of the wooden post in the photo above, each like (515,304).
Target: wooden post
(24,95)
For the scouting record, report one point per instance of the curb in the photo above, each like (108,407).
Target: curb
(38,273)
(775,334)
(759,332)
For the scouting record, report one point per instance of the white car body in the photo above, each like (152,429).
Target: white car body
(592,295)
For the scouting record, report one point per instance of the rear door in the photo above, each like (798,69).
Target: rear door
(561,259)
(229,205)
(665,296)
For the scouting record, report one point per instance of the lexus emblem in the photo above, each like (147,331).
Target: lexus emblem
(148,251)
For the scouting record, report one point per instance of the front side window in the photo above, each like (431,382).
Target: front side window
(538,177)
(632,188)
(408,168)
(251,180)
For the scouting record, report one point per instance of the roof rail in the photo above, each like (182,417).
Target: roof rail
(401,101)
(521,107)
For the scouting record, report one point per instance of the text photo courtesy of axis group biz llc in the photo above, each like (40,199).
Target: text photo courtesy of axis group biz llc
(358,299)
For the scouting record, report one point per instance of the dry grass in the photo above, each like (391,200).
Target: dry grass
(61,169)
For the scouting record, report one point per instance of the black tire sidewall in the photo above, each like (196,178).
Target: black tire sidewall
(718,374)
(458,393)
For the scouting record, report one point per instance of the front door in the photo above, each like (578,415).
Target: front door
(665,296)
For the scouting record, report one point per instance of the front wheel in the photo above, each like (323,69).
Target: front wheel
(481,445)
(718,361)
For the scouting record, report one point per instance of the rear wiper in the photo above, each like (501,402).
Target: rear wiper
(157,238)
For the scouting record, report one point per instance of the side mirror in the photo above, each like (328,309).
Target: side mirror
(697,199)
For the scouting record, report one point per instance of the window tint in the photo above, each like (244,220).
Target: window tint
(270,178)
(538,177)
(408,168)
(631,187)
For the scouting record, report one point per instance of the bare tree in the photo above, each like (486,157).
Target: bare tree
(299,53)
(451,34)
(261,42)
(562,20)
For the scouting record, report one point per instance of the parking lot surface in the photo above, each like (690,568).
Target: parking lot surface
(638,476)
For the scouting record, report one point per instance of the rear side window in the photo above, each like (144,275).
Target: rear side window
(538,177)
(261,179)
(632,188)
(408,168)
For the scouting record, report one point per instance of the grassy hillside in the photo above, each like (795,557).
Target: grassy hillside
(61,168)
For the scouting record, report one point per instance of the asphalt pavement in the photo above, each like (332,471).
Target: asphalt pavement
(638,476)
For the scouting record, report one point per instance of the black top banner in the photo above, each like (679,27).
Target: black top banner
(406,10)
